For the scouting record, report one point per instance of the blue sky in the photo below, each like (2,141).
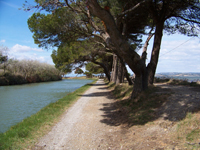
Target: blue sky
(15,34)
(178,53)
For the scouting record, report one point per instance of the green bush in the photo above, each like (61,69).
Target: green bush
(161,80)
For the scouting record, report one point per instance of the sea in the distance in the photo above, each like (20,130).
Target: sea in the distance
(190,77)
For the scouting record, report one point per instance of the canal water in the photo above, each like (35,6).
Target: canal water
(21,101)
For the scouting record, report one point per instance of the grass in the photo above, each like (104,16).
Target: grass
(172,81)
(188,131)
(25,134)
(141,109)
(122,90)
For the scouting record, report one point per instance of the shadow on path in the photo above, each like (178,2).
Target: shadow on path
(168,102)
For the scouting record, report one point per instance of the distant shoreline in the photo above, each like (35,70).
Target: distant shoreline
(82,77)
(190,77)
(9,80)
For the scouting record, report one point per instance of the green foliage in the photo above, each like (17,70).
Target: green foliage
(68,54)
(3,58)
(93,68)
(161,80)
(88,74)
(68,24)
(78,71)
(54,29)
(178,82)
(189,130)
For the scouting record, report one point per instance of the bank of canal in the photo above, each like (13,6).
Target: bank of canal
(21,101)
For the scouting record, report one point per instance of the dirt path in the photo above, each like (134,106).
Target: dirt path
(81,127)
(183,99)
(90,124)
(160,133)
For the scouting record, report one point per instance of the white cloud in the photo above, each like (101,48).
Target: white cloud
(21,52)
(179,49)
(2,41)
(31,56)
(179,56)
(23,48)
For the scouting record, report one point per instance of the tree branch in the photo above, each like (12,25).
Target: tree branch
(114,39)
(193,21)
(133,8)
(107,49)
(144,53)
(75,10)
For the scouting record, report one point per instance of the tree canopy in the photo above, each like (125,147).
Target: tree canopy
(116,26)
(94,69)
(78,71)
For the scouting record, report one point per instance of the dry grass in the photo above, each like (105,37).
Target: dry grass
(143,110)
(188,131)
(140,110)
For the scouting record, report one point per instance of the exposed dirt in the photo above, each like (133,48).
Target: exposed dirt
(94,122)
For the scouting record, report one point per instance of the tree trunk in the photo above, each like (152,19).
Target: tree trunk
(155,52)
(137,88)
(145,76)
(144,57)
(107,73)
(114,39)
(106,70)
(120,72)
(114,69)
(128,77)
(126,74)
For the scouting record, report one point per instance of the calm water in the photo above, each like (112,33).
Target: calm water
(21,101)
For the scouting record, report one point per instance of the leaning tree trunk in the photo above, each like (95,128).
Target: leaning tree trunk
(114,69)
(107,73)
(106,70)
(115,40)
(155,52)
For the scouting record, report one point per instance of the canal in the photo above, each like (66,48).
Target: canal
(21,101)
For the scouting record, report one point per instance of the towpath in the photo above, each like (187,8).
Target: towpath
(95,123)
(81,126)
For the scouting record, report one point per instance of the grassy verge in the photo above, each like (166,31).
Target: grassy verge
(188,131)
(25,134)
(142,109)
(172,81)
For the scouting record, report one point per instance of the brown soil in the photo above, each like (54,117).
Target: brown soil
(96,122)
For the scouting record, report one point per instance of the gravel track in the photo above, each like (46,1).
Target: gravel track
(80,127)
(90,123)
